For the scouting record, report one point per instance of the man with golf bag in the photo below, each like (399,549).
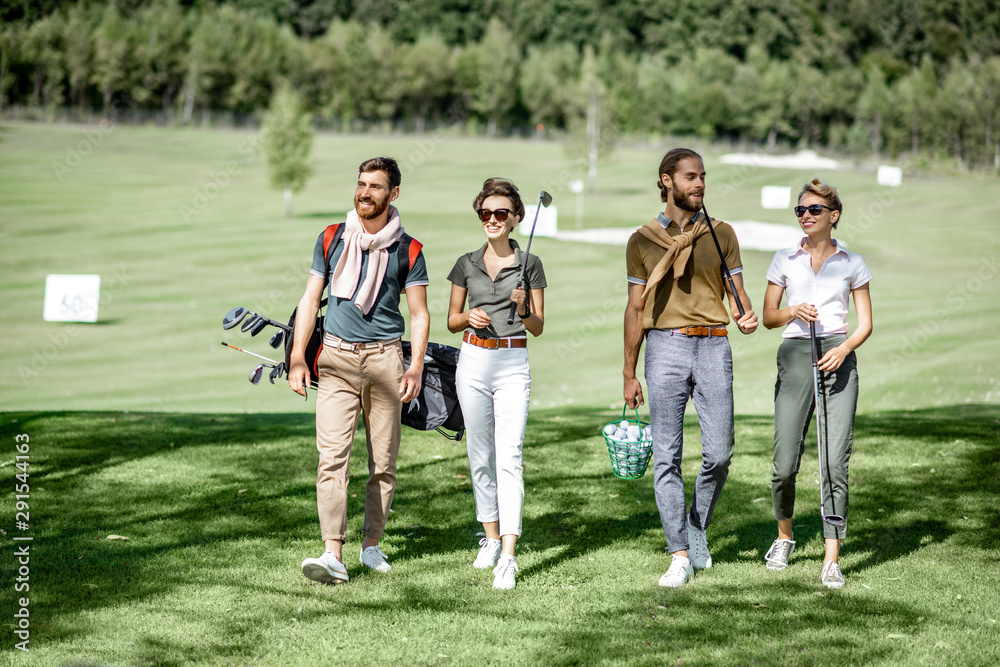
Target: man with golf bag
(817,368)
(360,366)
(678,271)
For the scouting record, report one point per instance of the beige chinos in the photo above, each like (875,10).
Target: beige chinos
(352,381)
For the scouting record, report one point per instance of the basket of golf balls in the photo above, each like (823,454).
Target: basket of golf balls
(630,446)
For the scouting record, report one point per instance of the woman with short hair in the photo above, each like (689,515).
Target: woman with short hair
(816,277)
(493,379)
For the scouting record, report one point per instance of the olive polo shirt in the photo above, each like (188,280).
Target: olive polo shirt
(493,296)
(697,299)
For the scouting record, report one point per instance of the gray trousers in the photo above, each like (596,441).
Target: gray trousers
(794,403)
(677,368)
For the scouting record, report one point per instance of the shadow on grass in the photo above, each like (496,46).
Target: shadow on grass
(189,489)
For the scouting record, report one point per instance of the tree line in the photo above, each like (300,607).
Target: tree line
(856,76)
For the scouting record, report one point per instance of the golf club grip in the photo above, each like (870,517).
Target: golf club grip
(513,307)
(812,341)
(732,286)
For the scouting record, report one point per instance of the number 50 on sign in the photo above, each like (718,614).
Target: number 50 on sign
(72,298)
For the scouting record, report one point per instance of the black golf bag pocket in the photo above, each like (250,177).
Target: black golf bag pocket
(313,348)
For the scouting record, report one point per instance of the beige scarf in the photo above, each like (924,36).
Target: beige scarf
(678,249)
(356,243)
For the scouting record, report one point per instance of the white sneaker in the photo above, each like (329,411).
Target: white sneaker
(832,576)
(489,553)
(776,557)
(680,571)
(326,569)
(504,573)
(374,559)
(698,548)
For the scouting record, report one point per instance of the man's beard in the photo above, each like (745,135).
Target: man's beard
(376,210)
(685,202)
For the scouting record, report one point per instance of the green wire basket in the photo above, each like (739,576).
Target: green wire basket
(629,458)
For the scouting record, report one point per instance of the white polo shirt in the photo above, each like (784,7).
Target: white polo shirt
(827,290)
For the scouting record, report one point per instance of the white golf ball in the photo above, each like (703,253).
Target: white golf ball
(624,424)
(610,429)
(621,434)
(634,432)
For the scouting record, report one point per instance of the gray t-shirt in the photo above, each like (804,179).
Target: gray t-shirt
(493,296)
(384,321)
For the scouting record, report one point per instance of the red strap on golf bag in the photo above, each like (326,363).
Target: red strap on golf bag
(415,247)
(330,239)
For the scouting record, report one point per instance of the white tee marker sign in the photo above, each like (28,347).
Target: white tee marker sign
(72,298)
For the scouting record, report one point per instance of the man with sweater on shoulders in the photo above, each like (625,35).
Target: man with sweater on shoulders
(675,292)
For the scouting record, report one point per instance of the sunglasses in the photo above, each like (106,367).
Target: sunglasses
(500,214)
(814,209)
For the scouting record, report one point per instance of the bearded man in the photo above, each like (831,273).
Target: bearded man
(675,290)
(360,367)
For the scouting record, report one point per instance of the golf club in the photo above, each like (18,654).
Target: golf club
(249,322)
(234,317)
(237,314)
(725,267)
(277,372)
(544,199)
(833,519)
(271,363)
(276,339)
(278,368)
(259,326)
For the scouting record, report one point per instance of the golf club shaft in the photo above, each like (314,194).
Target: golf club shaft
(821,441)
(725,267)
(279,325)
(240,349)
(524,259)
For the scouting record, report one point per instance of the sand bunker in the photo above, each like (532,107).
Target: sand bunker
(808,160)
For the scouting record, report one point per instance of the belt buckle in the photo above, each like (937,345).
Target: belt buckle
(355,347)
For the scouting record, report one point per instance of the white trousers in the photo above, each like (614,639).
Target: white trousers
(494,387)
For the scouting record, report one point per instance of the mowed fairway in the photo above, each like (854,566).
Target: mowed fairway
(143,426)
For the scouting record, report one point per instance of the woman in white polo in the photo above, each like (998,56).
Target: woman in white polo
(494,382)
(817,277)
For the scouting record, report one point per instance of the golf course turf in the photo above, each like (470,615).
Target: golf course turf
(171,501)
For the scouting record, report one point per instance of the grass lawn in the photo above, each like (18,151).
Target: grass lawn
(219,509)
(143,426)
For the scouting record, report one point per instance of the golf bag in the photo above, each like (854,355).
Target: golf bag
(437,405)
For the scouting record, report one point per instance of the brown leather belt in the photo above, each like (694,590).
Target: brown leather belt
(347,346)
(700,331)
(494,343)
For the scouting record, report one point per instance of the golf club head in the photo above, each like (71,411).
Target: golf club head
(249,322)
(233,317)
(256,374)
(257,328)
(277,372)
(276,339)
(545,198)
